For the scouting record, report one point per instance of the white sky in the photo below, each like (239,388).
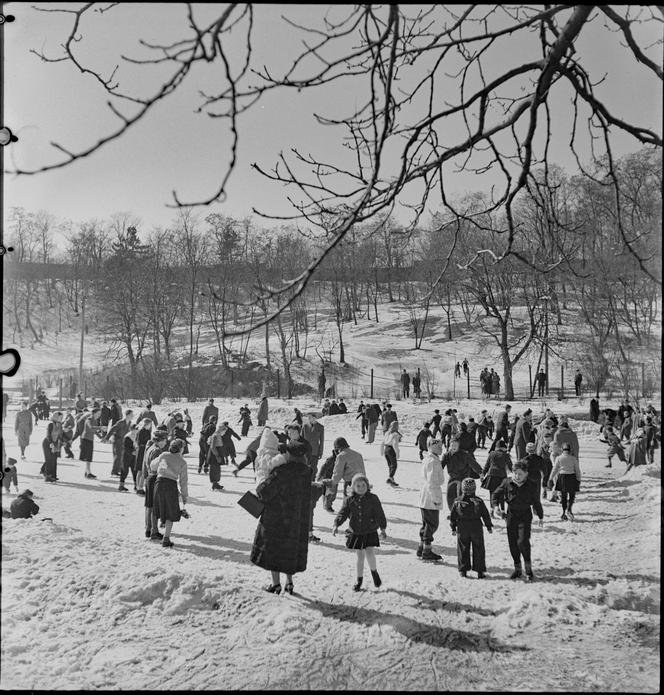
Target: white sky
(176,149)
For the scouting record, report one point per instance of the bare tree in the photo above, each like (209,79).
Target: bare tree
(403,138)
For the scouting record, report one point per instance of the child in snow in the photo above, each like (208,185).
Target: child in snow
(431,499)
(325,472)
(466,517)
(520,494)
(365,514)
(23,506)
(10,475)
(391,451)
(615,447)
(422,439)
(565,477)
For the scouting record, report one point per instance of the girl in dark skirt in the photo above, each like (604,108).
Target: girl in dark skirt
(365,514)
(171,468)
(565,477)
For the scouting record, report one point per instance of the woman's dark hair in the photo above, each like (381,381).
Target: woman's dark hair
(340,444)
(176,446)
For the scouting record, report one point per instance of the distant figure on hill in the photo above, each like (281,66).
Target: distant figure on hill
(465,366)
(342,407)
(417,385)
(405,384)
(262,412)
(457,370)
(578,378)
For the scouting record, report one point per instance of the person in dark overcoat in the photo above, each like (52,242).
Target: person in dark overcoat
(281,542)
(523,433)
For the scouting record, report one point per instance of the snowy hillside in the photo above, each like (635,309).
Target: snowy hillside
(89,603)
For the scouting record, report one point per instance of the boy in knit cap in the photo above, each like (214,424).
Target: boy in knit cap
(466,517)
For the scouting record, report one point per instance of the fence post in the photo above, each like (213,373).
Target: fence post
(278,386)
(372,384)
(468,381)
(562,382)
(60,392)
(643,379)
(231,383)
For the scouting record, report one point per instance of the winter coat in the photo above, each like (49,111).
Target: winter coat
(54,437)
(638,451)
(104,415)
(364,513)
(461,465)
(537,467)
(467,511)
(23,507)
(209,411)
(299,450)
(23,427)
(116,413)
(372,413)
(281,542)
(327,468)
(149,414)
(422,439)
(342,408)
(387,418)
(315,435)
(262,411)
(334,409)
(522,435)
(227,438)
(519,498)
(502,426)
(497,464)
(564,435)
(431,495)
(467,442)
(348,463)
(118,432)
(143,436)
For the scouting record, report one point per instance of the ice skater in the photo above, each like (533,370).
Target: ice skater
(365,516)
(466,517)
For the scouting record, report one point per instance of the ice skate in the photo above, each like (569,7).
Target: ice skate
(429,556)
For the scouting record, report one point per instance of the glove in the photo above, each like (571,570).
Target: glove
(489,530)
(454,533)
(334,530)
(383,535)
(540,523)
(184,513)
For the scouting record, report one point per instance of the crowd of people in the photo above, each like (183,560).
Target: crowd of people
(529,460)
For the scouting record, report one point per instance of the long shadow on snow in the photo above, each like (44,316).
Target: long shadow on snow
(436,604)
(216,547)
(413,630)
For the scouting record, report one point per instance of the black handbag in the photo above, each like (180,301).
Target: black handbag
(252,504)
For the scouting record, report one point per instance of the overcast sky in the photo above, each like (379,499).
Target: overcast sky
(173,148)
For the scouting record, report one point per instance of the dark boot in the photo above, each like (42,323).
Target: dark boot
(517,572)
(358,584)
(376,578)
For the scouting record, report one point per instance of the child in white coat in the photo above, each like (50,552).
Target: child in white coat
(431,499)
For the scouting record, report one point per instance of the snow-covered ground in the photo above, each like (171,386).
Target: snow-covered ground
(89,603)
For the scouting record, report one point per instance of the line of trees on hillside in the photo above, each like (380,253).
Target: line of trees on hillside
(151,292)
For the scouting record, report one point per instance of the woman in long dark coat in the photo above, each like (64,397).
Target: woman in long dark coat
(281,542)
